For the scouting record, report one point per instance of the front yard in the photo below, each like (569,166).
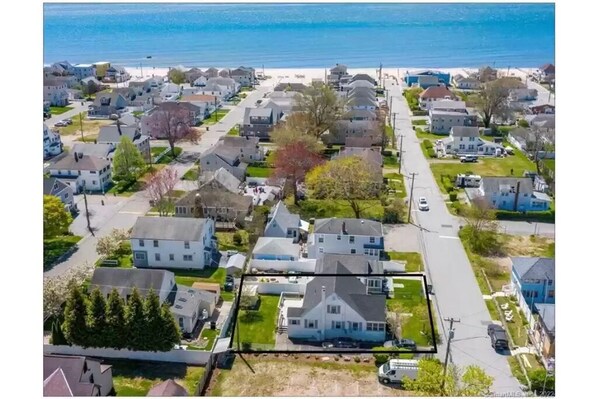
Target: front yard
(126,189)
(215,117)
(54,248)
(59,110)
(334,208)
(168,158)
(256,329)
(413,259)
(136,378)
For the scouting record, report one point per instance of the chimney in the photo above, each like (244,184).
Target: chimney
(516,196)
(344,228)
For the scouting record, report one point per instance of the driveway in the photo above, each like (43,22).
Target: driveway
(402,238)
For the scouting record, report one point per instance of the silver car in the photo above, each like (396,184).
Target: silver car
(423,204)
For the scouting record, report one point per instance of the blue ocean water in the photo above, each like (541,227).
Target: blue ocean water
(301,35)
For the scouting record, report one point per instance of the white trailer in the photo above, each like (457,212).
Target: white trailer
(468,180)
(395,370)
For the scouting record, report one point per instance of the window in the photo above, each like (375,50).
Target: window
(141,243)
(352,250)
(472,139)
(171,257)
(186,244)
(94,182)
(373,283)
(157,256)
(188,258)
(294,322)
(139,256)
(337,325)
(321,250)
(356,326)
(549,282)
(321,239)
(334,309)
(375,326)
(155,243)
(338,237)
(310,324)
(351,239)
(372,240)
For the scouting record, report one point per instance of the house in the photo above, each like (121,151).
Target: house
(357,84)
(276,248)
(441,122)
(188,305)
(168,110)
(361,115)
(211,72)
(362,98)
(217,199)
(469,83)
(282,223)
(487,74)
(55,92)
(546,121)
(467,140)
(259,122)
(363,77)
(170,92)
(52,143)
(518,95)
(363,142)
(338,306)
(435,93)
(532,280)
(76,376)
(524,139)
(223,88)
(510,194)
(91,80)
(244,76)
(104,151)
(83,172)
(116,74)
(542,109)
(174,242)
(345,129)
(63,68)
(545,73)
(336,73)
(359,265)
(53,186)
(543,329)
(101,68)
(449,105)
(248,147)
(200,81)
(112,135)
(295,87)
(425,79)
(107,104)
(206,103)
(346,236)
(69,80)
(283,100)
(167,388)
(220,156)
(235,264)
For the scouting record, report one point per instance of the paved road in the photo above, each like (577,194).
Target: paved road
(526,228)
(447,266)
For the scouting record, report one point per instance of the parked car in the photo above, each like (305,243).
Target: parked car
(401,343)
(468,158)
(68,121)
(498,337)
(423,204)
(60,124)
(340,343)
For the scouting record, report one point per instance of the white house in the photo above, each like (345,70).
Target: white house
(173,243)
(469,83)
(282,223)
(52,143)
(510,194)
(434,93)
(200,81)
(338,306)
(346,236)
(248,147)
(170,92)
(55,92)
(467,140)
(441,122)
(275,248)
(83,172)
(220,156)
(367,270)
(244,76)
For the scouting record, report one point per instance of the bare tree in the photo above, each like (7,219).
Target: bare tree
(159,188)
(321,106)
(174,123)
(493,100)
(482,228)
(539,142)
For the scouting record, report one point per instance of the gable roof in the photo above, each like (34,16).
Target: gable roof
(224,177)
(53,185)
(363,76)
(124,280)
(96,150)
(174,106)
(110,98)
(547,68)
(493,184)
(276,246)
(171,228)
(366,141)
(361,113)
(207,98)
(296,87)
(465,131)
(110,133)
(371,155)
(534,268)
(280,215)
(354,264)
(546,313)
(436,92)
(358,227)
(57,385)
(167,388)
(240,142)
(69,376)
(85,162)
(185,301)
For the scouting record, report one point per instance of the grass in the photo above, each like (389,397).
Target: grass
(492,309)
(410,299)
(549,164)
(243,89)
(227,296)
(226,241)
(59,110)
(126,189)
(413,259)
(138,113)
(168,158)
(421,134)
(192,174)
(91,128)
(390,160)
(372,209)
(124,262)
(396,182)
(257,327)
(425,151)
(136,378)
(257,171)
(155,151)
(419,122)
(517,327)
(207,275)
(55,247)
(210,335)
(234,131)
(220,113)
(389,132)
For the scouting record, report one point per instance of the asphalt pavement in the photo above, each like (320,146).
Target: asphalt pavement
(457,294)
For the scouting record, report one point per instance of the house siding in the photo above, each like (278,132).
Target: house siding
(332,245)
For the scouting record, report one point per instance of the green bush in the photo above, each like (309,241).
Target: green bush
(419,112)
(453,196)
(380,358)
(427,144)
(449,188)
(431,153)
(387,153)
(538,216)
(457,207)
(237,238)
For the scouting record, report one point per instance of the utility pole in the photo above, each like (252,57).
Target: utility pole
(448,349)
(401,152)
(411,197)
(81,125)
(87,211)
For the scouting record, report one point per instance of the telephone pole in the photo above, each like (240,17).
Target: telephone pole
(87,212)
(401,152)
(81,125)
(411,197)
(448,349)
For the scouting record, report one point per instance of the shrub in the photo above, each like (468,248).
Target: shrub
(419,112)
(453,196)
(380,357)
(540,216)
(431,153)
(387,153)
(427,144)
(449,188)
(237,238)
(357,359)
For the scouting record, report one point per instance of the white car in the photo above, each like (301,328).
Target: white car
(423,204)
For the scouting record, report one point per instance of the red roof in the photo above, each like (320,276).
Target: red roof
(436,92)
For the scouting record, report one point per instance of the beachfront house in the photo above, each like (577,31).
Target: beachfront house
(55,92)
(346,236)
(510,194)
(425,79)
(466,83)
(83,172)
(244,76)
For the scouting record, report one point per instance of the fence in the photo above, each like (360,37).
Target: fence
(205,378)
(307,266)
(279,288)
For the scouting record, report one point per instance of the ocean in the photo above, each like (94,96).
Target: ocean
(301,35)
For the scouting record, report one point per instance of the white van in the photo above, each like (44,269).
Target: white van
(395,370)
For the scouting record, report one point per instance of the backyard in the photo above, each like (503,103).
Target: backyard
(372,209)
(55,247)
(255,329)
(259,171)
(136,378)
(215,117)
(207,275)
(226,241)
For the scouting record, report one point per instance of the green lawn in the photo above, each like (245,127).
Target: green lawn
(243,89)
(419,122)
(413,259)
(217,114)
(227,296)
(210,335)
(124,262)
(430,136)
(59,110)
(372,209)
(226,242)
(390,160)
(91,127)
(408,297)
(258,327)
(424,150)
(254,171)
(138,113)
(549,163)
(136,378)
(126,189)
(233,131)
(396,182)
(192,174)
(207,275)
(389,132)
(155,151)
(56,247)
(168,158)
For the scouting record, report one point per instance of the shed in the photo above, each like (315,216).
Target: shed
(235,264)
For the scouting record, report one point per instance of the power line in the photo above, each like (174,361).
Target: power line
(448,349)
(411,196)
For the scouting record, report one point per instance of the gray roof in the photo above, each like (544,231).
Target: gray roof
(53,185)
(296,87)
(284,220)
(112,97)
(361,113)
(171,228)
(110,134)
(465,131)
(546,313)
(124,280)
(85,162)
(363,76)
(362,101)
(350,289)
(494,184)
(358,227)
(534,268)
(96,150)
(355,264)
(261,112)
(236,261)
(224,177)
(370,155)
(276,246)
(128,120)
(213,194)
(167,388)
(240,142)
(72,369)
(186,300)
(448,104)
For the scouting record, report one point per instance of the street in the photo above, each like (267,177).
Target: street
(447,266)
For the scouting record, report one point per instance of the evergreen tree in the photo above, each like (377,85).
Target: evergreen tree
(171,335)
(115,335)
(57,335)
(135,322)
(96,319)
(154,333)
(75,325)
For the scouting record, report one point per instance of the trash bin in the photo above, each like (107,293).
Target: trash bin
(212,325)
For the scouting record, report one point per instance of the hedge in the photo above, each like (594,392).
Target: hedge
(387,153)
(452,196)
(420,112)
(538,216)
(428,144)
(431,153)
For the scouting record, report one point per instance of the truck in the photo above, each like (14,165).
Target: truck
(395,370)
(464,180)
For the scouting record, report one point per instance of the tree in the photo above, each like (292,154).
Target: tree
(174,123)
(481,229)
(350,178)
(74,326)
(96,318)
(109,244)
(128,161)
(321,107)
(57,288)
(153,318)
(56,218)
(492,100)
(116,333)
(159,188)
(295,129)
(170,330)
(176,76)
(293,161)
(475,382)
(394,212)
(540,139)
(135,322)
(541,383)
(472,382)
(57,335)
